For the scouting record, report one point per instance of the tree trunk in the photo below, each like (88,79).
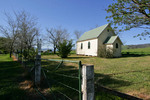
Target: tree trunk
(54,50)
(28,54)
(10,54)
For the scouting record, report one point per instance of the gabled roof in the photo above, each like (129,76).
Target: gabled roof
(94,33)
(111,40)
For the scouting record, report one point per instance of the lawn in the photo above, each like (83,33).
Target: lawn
(129,74)
(10,72)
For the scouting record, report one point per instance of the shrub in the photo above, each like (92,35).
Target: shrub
(105,53)
(64,48)
(1,52)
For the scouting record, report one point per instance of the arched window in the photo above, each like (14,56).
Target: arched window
(116,45)
(88,45)
(81,45)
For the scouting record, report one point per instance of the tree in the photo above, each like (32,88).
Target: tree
(10,32)
(20,31)
(64,48)
(56,35)
(27,31)
(77,34)
(3,45)
(130,14)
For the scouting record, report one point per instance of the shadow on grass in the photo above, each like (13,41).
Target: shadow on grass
(10,72)
(135,54)
(100,79)
(109,81)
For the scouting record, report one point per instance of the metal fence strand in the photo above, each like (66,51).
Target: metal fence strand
(48,84)
(66,86)
(40,94)
(64,95)
(61,60)
(66,76)
(56,71)
(58,65)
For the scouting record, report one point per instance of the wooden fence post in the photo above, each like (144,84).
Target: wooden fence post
(87,82)
(38,64)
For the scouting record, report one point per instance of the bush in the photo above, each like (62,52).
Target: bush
(105,53)
(64,48)
(48,52)
(1,52)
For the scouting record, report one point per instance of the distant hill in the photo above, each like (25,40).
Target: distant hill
(135,46)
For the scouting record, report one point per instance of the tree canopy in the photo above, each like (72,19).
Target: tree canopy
(20,31)
(130,14)
(56,35)
(64,48)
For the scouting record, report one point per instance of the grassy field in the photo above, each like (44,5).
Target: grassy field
(10,72)
(129,74)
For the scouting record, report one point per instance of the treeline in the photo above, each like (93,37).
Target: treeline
(21,33)
(135,46)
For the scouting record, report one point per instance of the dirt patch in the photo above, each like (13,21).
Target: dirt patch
(27,84)
(140,94)
(14,58)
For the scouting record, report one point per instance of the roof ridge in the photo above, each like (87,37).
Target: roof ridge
(94,33)
(98,27)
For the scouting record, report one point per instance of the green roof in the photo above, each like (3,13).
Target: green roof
(94,33)
(110,40)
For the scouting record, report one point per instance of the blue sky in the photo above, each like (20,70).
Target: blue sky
(70,14)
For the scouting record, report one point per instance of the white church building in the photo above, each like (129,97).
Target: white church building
(91,42)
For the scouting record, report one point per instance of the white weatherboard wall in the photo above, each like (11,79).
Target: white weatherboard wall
(117,51)
(85,51)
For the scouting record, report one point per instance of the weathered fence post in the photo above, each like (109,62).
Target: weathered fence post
(38,64)
(87,82)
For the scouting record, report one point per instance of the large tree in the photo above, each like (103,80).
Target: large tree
(3,45)
(20,30)
(130,14)
(77,34)
(56,35)
(27,31)
(10,32)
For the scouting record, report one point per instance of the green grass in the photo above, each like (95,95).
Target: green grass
(129,74)
(10,72)
(140,51)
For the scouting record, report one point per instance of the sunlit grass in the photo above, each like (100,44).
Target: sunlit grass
(129,74)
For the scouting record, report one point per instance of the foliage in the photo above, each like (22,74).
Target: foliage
(77,34)
(56,35)
(30,54)
(20,31)
(105,53)
(64,48)
(130,14)
(3,45)
(48,52)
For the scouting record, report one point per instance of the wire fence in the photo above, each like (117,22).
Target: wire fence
(63,77)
